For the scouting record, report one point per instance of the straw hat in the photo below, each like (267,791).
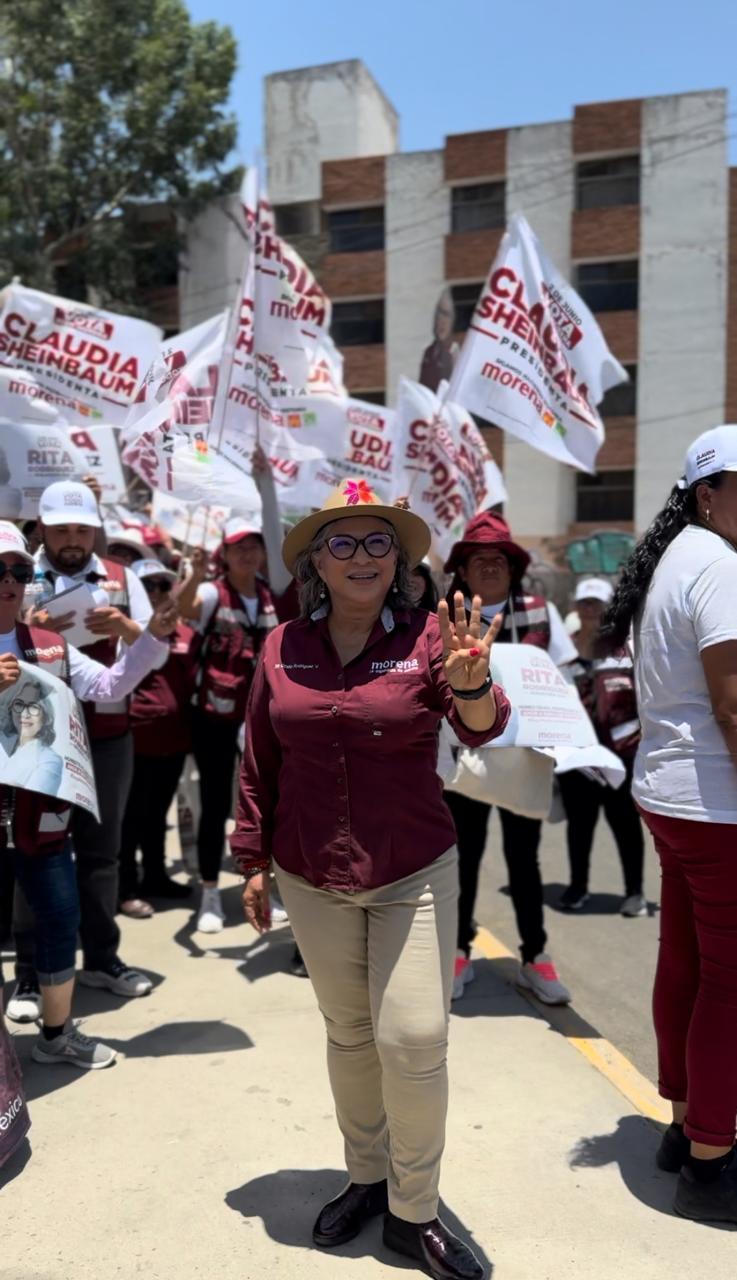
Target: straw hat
(357,498)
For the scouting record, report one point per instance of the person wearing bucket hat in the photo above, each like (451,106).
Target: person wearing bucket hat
(35,826)
(233,614)
(487,561)
(678,594)
(125,545)
(607,690)
(339,787)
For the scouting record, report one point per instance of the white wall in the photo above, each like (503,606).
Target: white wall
(213,263)
(333,112)
(416,220)
(540,186)
(683,286)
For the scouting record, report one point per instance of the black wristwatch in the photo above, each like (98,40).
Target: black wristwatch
(470,695)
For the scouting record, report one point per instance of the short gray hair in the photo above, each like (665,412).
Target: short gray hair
(313,594)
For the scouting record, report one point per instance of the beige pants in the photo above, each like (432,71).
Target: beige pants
(381,962)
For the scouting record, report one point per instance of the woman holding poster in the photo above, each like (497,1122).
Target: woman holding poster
(34,825)
(679,591)
(490,564)
(339,787)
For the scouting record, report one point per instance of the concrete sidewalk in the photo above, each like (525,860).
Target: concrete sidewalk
(209,1147)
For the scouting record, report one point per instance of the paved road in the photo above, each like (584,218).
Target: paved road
(607,961)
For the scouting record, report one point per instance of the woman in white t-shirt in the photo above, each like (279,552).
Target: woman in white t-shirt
(679,589)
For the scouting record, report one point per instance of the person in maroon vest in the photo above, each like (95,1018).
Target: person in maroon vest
(487,562)
(70,522)
(34,827)
(162,736)
(234,614)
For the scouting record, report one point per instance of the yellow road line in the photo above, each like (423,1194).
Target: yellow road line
(602,1055)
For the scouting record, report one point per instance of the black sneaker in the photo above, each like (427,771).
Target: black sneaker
(707,1201)
(573,899)
(297,965)
(674,1149)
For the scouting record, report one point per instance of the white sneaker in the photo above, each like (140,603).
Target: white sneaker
(25,1003)
(211,918)
(118,978)
(279,914)
(634,905)
(541,977)
(463,975)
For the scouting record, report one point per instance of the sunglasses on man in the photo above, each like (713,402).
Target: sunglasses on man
(157,584)
(21,573)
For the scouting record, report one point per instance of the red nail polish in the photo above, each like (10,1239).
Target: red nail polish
(474,653)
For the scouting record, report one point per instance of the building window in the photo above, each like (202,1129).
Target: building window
(299,219)
(465,297)
(478,207)
(355,230)
(621,401)
(601,184)
(608,496)
(156,266)
(609,286)
(370,397)
(358,324)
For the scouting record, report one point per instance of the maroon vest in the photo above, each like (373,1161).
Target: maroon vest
(39,823)
(112,719)
(526,621)
(160,706)
(229,651)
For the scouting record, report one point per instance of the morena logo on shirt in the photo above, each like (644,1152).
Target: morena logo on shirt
(395,664)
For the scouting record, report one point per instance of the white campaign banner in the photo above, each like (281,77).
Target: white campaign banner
(90,362)
(193,526)
(32,456)
(534,361)
(100,448)
(546,710)
(43,740)
(166,437)
(442,464)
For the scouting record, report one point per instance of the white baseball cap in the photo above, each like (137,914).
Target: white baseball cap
(237,528)
(594,589)
(12,540)
(128,537)
(712,452)
(152,569)
(67,502)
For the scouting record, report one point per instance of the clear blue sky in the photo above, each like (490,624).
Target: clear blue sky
(477,64)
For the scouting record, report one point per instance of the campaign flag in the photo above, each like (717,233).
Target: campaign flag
(193,526)
(534,361)
(442,464)
(99,445)
(89,361)
(32,456)
(167,435)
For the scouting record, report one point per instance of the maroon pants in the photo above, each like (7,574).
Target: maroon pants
(695,996)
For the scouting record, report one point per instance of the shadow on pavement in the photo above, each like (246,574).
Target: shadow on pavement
(599,904)
(174,1039)
(16,1164)
(91,1000)
(271,946)
(289,1200)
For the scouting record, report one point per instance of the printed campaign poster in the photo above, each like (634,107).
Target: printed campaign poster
(193,526)
(546,709)
(43,740)
(99,445)
(32,456)
(93,359)
(534,361)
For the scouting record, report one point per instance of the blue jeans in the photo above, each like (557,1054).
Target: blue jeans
(49,883)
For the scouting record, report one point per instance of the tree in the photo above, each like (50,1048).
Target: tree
(113,127)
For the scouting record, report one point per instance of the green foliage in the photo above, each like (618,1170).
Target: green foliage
(106,105)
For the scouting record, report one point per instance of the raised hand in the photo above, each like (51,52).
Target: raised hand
(466,654)
(163,621)
(9,671)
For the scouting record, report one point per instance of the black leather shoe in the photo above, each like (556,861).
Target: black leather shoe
(442,1254)
(343,1218)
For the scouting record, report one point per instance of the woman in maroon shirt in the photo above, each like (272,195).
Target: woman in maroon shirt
(339,787)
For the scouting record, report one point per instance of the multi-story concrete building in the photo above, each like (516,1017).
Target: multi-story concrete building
(633,200)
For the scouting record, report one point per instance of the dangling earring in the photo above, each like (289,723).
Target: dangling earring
(708,514)
(395,588)
(322,593)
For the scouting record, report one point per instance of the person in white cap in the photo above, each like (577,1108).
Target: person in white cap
(70,521)
(35,826)
(607,690)
(234,614)
(679,592)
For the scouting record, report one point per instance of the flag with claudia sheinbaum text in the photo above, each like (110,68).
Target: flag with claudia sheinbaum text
(534,361)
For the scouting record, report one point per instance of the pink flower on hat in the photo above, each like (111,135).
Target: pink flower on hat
(357,492)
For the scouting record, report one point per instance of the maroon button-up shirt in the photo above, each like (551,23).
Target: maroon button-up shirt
(338,781)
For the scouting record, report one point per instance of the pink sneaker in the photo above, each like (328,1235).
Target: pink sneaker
(541,977)
(463,975)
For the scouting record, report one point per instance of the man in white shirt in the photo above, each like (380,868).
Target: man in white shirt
(70,520)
